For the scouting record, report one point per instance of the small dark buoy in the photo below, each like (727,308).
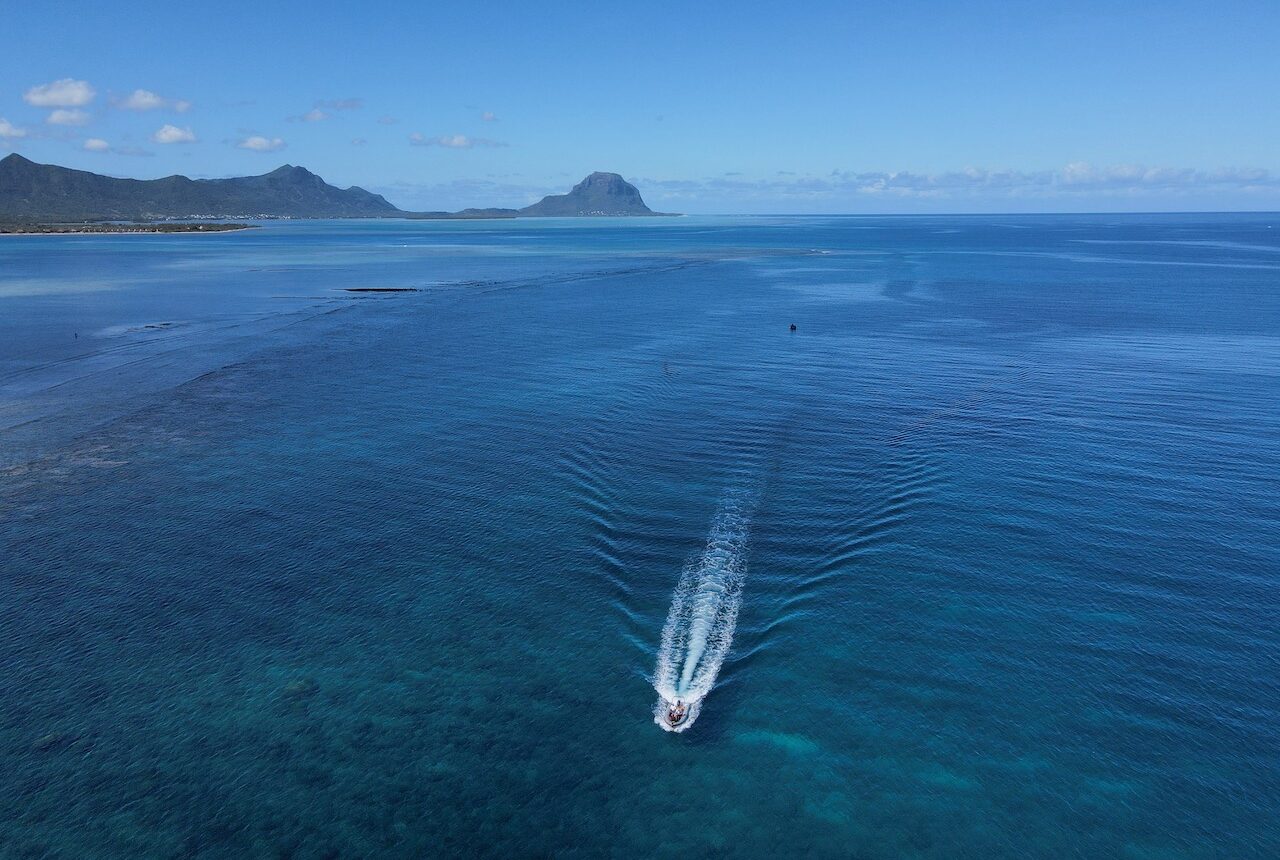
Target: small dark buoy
(793,326)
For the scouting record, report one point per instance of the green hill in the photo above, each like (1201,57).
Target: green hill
(31,190)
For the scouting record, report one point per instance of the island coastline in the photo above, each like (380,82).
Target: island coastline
(90,229)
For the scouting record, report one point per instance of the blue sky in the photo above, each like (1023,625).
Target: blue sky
(779,107)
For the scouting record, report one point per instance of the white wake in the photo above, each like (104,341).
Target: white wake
(704,610)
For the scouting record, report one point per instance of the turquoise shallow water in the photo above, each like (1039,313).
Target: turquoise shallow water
(292,572)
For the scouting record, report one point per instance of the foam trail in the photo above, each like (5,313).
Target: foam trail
(704,611)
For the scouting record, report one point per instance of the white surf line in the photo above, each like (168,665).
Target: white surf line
(704,612)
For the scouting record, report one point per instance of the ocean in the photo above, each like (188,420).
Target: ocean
(979,560)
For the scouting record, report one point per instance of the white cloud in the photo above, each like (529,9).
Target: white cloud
(8,130)
(1079,174)
(1132,185)
(173,134)
(452,141)
(313,115)
(257,143)
(387,120)
(97,144)
(358,141)
(144,100)
(62,93)
(68,116)
(341,104)
(489,116)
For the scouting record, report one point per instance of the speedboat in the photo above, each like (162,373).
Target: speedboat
(676,714)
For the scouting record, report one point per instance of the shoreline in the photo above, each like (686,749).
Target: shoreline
(121,230)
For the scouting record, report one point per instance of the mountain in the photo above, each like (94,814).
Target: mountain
(31,190)
(598,194)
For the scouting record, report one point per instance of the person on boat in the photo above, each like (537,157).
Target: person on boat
(676,714)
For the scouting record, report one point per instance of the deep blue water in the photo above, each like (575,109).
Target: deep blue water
(288,571)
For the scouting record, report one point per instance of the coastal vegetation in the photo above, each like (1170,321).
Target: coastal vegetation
(36,227)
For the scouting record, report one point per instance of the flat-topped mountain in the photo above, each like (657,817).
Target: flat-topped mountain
(598,194)
(32,190)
